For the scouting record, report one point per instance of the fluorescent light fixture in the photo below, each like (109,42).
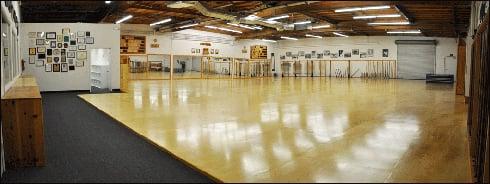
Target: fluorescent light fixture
(223,29)
(388,23)
(160,22)
(270,21)
(265,40)
(404,32)
(4,35)
(288,38)
(107,2)
(320,26)
(304,22)
(376,16)
(338,34)
(278,17)
(362,8)
(180,4)
(246,26)
(314,36)
(124,19)
(188,25)
(252,17)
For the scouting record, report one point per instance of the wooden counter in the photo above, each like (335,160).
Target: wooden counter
(23,126)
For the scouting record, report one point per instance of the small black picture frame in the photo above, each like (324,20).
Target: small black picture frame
(41,56)
(87,33)
(73,42)
(49,52)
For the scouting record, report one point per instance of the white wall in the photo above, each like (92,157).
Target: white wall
(105,36)
(444,47)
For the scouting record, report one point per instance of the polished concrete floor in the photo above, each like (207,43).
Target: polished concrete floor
(302,129)
(158,75)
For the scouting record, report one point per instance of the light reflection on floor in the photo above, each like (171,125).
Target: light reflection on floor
(309,130)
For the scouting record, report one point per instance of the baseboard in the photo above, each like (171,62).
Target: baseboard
(66,91)
(116,90)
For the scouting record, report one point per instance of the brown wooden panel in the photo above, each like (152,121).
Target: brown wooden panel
(461,67)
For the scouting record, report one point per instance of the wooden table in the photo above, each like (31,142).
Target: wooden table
(23,126)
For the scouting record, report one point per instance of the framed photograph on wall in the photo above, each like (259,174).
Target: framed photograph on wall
(347,54)
(59,38)
(362,55)
(73,36)
(56,67)
(60,45)
(65,31)
(89,40)
(32,59)
(64,67)
(81,47)
(385,52)
(32,51)
(211,51)
(72,48)
(65,45)
(39,41)
(81,34)
(70,54)
(79,63)
(56,52)
(71,61)
(49,52)
(41,56)
(193,50)
(63,59)
(355,51)
(87,33)
(81,40)
(39,63)
(66,38)
(41,49)
(50,35)
(370,52)
(49,60)
(71,67)
(52,44)
(48,68)
(73,42)
(82,55)
(40,34)
(216,51)
(56,59)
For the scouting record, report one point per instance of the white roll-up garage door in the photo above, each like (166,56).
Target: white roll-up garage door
(416,58)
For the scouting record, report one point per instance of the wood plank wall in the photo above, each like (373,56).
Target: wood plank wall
(479,104)
(461,67)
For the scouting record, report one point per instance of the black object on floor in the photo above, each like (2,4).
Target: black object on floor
(83,144)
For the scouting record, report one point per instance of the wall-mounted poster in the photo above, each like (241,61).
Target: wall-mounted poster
(326,52)
(82,55)
(370,52)
(31,34)
(66,31)
(41,49)
(81,40)
(32,59)
(81,34)
(81,47)
(49,60)
(50,35)
(73,42)
(385,52)
(79,63)
(52,44)
(60,45)
(70,54)
(49,52)
(56,51)
(347,54)
(39,63)
(39,41)
(32,51)
(59,38)
(72,48)
(355,51)
(66,38)
(363,55)
(307,56)
(48,68)
(40,34)
(56,68)
(89,40)
(64,67)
